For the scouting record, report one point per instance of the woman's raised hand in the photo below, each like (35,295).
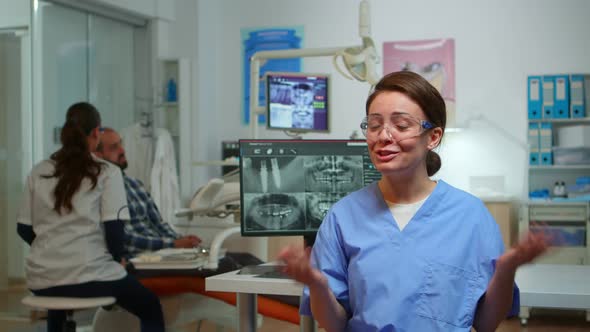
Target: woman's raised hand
(532,245)
(298,266)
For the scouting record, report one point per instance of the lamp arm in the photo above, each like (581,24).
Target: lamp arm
(297,53)
(216,246)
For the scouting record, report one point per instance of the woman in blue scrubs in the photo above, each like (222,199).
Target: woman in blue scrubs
(408,253)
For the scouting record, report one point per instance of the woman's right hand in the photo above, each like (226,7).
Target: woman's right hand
(298,266)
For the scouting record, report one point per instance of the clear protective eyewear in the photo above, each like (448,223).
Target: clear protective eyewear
(401,126)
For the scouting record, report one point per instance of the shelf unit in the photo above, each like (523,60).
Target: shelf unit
(571,220)
(168,111)
(174,115)
(562,121)
(545,176)
(559,167)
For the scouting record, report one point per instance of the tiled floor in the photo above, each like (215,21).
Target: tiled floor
(14,317)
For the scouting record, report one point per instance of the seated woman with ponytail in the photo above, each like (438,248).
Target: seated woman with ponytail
(71,216)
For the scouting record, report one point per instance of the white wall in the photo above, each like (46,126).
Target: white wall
(12,155)
(14,13)
(3,166)
(180,39)
(173,40)
(498,43)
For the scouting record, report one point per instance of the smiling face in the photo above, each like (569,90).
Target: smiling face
(388,155)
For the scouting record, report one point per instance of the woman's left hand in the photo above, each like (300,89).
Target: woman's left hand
(532,245)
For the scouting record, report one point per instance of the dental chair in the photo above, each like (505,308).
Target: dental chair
(213,215)
(182,303)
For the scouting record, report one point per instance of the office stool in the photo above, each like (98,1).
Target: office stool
(69,304)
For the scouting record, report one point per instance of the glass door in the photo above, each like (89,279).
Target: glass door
(79,56)
(61,50)
(111,71)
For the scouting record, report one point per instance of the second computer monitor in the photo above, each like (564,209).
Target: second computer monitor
(288,186)
(297,101)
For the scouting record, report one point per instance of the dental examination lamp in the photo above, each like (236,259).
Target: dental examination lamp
(211,200)
(360,62)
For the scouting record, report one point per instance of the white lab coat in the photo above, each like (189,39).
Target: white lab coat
(164,178)
(70,248)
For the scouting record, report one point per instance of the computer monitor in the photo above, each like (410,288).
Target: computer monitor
(297,101)
(288,186)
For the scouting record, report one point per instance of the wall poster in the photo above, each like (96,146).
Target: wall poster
(433,59)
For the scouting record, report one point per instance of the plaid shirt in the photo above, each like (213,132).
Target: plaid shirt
(145,231)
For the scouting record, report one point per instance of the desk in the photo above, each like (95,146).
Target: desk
(247,287)
(553,286)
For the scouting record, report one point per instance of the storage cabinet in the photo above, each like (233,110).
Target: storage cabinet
(568,223)
(566,219)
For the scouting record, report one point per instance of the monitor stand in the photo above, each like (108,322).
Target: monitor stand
(294,134)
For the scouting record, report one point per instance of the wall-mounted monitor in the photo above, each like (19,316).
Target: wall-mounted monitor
(288,186)
(297,101)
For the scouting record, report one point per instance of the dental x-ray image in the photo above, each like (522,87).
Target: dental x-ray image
(274,212)
(318,205)
(302,97)
(292,105)
(334,174)
(272,174)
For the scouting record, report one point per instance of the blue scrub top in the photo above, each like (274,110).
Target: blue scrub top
(428,277)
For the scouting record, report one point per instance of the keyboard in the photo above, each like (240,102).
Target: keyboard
(273,274)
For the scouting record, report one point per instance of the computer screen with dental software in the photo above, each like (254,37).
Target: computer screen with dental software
(288,186)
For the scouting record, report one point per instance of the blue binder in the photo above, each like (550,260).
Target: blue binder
(535,97)
(577,102)
(548,96)
(546,143)
(562,97)
(534,152)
